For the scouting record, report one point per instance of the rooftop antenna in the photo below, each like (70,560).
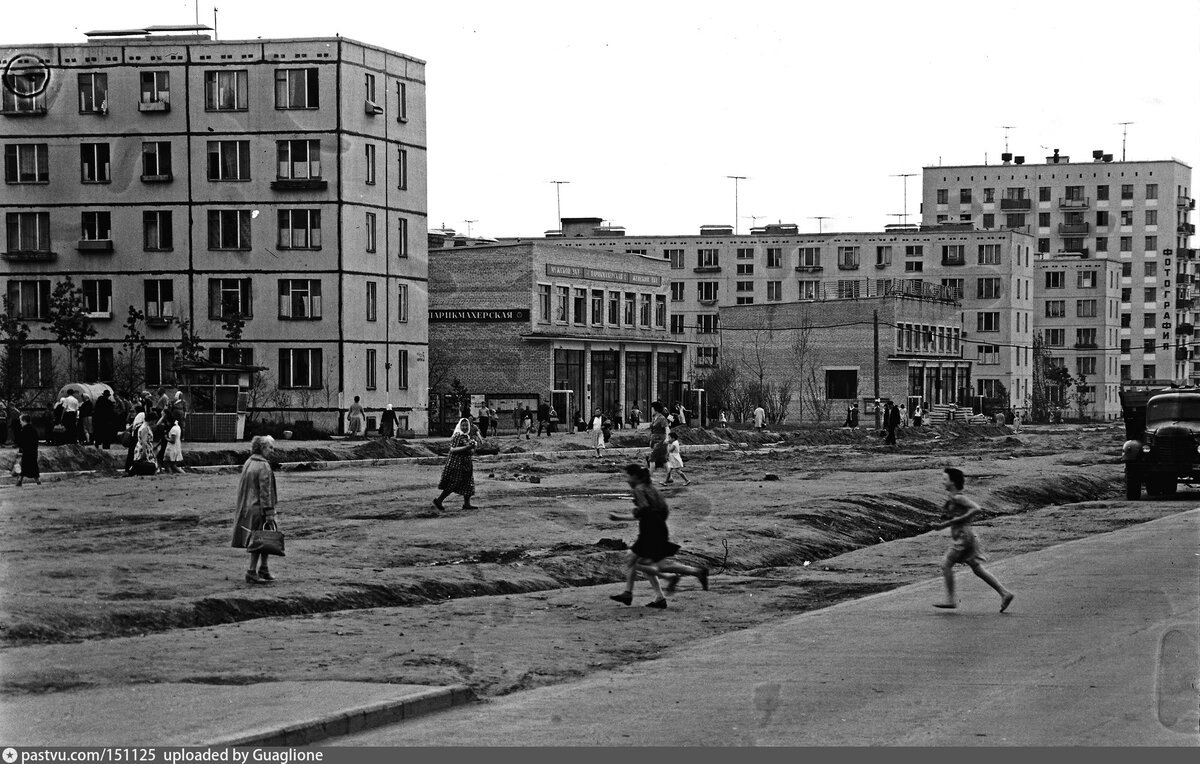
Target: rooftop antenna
(736,179)
(558,184)
(899,217)
(196,3)
(1006,128)
(1124,132)
(906,176)
(820,221)
(469,223)
(215,23)
(754,219)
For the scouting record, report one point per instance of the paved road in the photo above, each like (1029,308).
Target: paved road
(1101,647)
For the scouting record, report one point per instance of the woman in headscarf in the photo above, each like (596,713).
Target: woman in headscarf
(458,476)
(387,423)
(27,444)
(256,500)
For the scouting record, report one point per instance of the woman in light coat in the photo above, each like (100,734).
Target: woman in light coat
(256,502)
(174,452)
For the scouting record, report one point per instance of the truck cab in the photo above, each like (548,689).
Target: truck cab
(1162,430)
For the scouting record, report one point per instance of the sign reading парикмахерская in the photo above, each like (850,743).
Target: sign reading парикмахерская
(507,314)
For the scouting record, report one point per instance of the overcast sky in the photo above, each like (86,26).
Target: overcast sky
(646,106)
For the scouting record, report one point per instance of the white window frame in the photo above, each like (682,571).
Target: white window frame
(220,82)
(300,300)
(27,163)
(97,297)
(288,100)
(299,228)
(98,158)
(298,159)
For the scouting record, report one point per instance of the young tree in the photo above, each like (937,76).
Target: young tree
(234,325)
(129,368)
(814,390)
(804,358)
(720,386)
(461,397)
(70,323)
(190,349)
(14,334)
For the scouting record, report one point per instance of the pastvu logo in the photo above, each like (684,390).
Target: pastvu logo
(10,755)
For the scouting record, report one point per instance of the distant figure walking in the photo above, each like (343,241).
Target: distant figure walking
(598,432)
(173,457)
(964,546)
(760,418)
(543,418)
(256,502)
(485,420)
(387,422)
(527,422)
(635,417)
(658,438)
(674,460)
(458,476)
(552,426)
(356,417)
(103,420)
(27,444)
(917,414)
(891,420)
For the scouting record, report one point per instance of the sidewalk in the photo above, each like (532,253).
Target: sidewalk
(1100,648)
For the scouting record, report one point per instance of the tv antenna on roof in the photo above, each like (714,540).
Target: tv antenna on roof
(1124,132)
(820,221)
(469,223)
(754,219)
(906,176)
(558,184)
(1006,128)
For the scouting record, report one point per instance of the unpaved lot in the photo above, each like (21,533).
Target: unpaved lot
(124,580)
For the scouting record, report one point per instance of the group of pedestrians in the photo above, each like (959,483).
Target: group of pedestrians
(155,436)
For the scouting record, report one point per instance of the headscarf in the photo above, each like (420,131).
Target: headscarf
(464,426)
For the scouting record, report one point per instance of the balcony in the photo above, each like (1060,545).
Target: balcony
(1184,203)
(30,256)
(1074,229)
(954,261)
(1185,253)
(158,178)
(809,268)
(848,266)
(707,269)
(1077,252)
(1016,204)
(159,322)
(1082,203)
(1185,330)
(95,246)
(1187,229)
(1182,354)
(299,184)
(155,107)
(1086,346)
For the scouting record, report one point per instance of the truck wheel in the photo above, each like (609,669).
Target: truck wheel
(1133,486)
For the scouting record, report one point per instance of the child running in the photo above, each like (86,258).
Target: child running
(650,553)
(674,460)
(964,546)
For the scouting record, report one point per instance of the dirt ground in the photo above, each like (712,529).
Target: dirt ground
(110,580)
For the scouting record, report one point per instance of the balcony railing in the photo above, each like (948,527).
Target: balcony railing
(299,184)
(1186,228)
(30,256)
(161,107)
(93,246)
(1074,229)
(1076,252)
(1016,204)
(1081,203)
(843,289)
(809,268)
(954,261)
(707,269)
(1185,203)
(1086,346)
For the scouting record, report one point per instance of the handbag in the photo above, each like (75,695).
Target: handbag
(267,541)
(16,469)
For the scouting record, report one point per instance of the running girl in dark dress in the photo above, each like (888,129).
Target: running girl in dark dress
(650,554)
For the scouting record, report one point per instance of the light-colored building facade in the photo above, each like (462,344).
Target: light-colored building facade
(279,181)
(1135,212)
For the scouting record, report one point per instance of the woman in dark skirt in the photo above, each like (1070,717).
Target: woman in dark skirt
(458,476)
(27,443)
(650,554)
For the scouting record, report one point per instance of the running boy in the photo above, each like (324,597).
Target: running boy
(964,546)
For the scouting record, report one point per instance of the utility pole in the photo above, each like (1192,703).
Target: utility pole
(735,179)
(558,184)
(875,322)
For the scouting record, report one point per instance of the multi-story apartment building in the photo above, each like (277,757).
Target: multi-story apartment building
(1083,328)
(991,272)
(277,182)
(1136,213)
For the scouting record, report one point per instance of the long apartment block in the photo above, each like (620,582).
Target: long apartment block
(279,181)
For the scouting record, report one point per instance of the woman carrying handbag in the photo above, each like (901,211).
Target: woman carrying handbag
(256,511)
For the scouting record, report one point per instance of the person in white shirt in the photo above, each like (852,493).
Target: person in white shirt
(760,418)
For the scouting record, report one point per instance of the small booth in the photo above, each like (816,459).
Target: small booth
(218,396)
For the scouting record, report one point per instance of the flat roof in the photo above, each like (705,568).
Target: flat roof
(1083,163)
(740,236)
(200,41)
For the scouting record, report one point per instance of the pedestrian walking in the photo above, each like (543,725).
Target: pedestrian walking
(518,417)
(1017,419)
(552,426)
(651,552)
(173,458)
(458,476)
(635,417)
(760,418)
(917,414)
(70,418)
(87,411)
(903,416)
(131,434)
(356,417)
(658,438)
(103,420)
(723,420)
(143,462)
(964,545)
(387,422)
(27,445)
(485,420)
(543,418)
(257,501)
(598,432)
(179,408)
(527,423)
(891,420)
(675,460)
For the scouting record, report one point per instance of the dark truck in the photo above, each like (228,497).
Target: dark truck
(1162,428)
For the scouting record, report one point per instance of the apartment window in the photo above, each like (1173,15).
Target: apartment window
(1085,279)
(676,258)
(1150,294)
(676,324)
(228,160)
(677,288)
(93,93)
(1043,193)
(371,382)
(645,310)
(989,254)
(562,304)
(706,356)
(708,258)
(402,238)
(745,269)
(1126,217)
(1151,190)
(1148,370)
(160,366)
(402,370)
(598,307)
(370,150)
(1126,243)
(299,229)
(300,299)
(987,321)
(1086,365)
(1148,348)
(706,291)
(1102,193)
(1127,320)
(543,301)
(708,323)
(300,368)
(96,226)
(841,384)
(402,101)
(745,253)
(228,298)
(774,291)
(579,312)
(956,287)
(1085,338)
(954,254)
(159,298)
(989,220)
(1043,220)
(913,266)
(744,286)
(810,257)
(226,90)
(97,297)
(157,231)
(1102,218)
(1127,191)
(372,233)
(1151,217)
(402,303)
(229,229)
(29,299)
(989,196)
(97,364)
(1056,338)
(1043,245)
(1126,295)
(614,308)
(28,231)
(1101,243)
(809,290)
(1148,320)
(774,257)
(630,308)
(402,168)
(964,196)
(372,301)
(943,196)
(26,163)
(1056,308)
(1085,308)
(988,355)
(94,163)
(849,289)
(156,87)
(1150,270)
(297,89)
(1014,220)
(1151,243)
(883,256)
(11,100)
(849,258)
(369,81)
(1126,373)
(299,160)
(1126,346)
(232,355)
(987,288)
(1056,279)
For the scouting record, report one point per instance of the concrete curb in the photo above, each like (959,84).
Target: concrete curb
(354,720)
